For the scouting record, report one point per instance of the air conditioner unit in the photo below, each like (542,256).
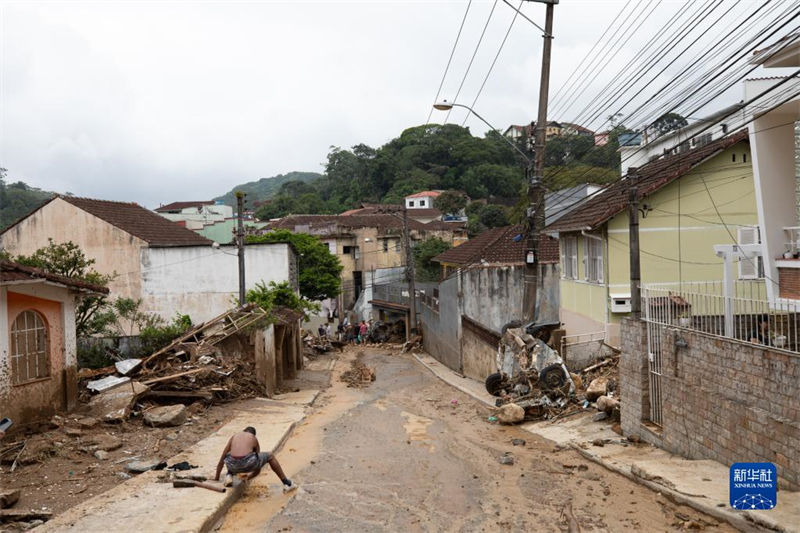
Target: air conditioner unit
(620,303)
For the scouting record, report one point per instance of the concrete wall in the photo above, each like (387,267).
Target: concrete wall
(723,399)
(441,330)
(203,282)
(38,400)
(478,349)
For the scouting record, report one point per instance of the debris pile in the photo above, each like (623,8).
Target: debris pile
(191,368)
(359,374)
(533,383)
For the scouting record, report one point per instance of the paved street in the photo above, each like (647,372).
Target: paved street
(409,453)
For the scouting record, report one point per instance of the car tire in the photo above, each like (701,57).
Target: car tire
(552,377)
(494,384)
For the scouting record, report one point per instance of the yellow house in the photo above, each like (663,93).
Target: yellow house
(687,204)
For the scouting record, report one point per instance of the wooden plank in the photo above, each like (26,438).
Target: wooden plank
(166,379)
(202,395)
(20,515)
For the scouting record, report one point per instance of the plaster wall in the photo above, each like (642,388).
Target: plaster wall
(203,282)
(113,250)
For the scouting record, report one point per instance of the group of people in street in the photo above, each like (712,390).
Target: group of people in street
(346,332)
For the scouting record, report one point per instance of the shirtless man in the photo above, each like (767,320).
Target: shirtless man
(243,455)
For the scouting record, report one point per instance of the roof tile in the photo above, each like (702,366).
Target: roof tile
(11,271)
(504,245)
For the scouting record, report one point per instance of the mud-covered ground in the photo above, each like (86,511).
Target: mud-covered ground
(410,453)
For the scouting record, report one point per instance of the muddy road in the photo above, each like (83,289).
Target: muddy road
(409,453)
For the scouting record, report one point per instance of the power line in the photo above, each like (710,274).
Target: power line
(449,60)
(491,67)
(469,65)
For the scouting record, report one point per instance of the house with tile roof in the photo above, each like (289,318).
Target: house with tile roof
(481,290)
(170,268)
(196,215)
(38,347)
(366,245)
(688,203)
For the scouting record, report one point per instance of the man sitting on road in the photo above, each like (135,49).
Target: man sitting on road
(243,455)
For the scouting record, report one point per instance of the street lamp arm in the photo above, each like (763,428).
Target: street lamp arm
(445,106)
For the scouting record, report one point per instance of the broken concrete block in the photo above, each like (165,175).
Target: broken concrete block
(88,422)
(115,405)
(510,413)
(506,459)
(107,383)
(127,366)
(138,467)
(599,417)
(598,387)
(8,498)
(73,432)
(101,455)
(606,404)
(166,416)
(106,443)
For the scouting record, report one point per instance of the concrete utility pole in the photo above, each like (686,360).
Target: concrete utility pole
(412,290)
(240,242)
(633,242)
(535,214)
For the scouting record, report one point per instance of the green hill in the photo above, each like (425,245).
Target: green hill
(18,199)
(265,188)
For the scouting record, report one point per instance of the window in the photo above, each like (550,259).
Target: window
(385,245)
(750,268)
(422,203)
(733,158)
(744,158)
(347,249)
(569,257)
(29,355)
(411,203)
(594,260)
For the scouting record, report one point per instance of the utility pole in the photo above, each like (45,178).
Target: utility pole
(633,243)
(240,242)
(535,214)
(412,290)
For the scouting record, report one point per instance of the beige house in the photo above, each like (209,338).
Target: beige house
(364,244)
(170,268)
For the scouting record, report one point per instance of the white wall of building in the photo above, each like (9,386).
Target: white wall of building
(202,281)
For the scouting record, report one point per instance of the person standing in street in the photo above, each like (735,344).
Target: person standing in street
(362,332)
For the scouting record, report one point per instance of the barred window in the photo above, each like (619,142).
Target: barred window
(30,359)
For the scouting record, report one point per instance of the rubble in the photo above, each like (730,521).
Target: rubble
(115,405)
(8,498)
(359,374)
(137,467)
(166,416)
(127,366)
(510,413)
(598,387)
(607,404)
(106,383)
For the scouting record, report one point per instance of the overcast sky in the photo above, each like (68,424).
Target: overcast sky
(155,102)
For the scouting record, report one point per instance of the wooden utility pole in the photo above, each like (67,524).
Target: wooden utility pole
(240,242)
(633,242)
(412,290)
(535,214)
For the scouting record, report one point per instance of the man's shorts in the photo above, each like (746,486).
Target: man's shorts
(249,463)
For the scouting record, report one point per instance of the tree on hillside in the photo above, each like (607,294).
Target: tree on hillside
(424,252)
(668,122)
(451,202)
(319,270)
(92,314)
(493,216)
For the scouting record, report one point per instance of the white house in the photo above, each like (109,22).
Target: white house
(170,268)
(422,200)
(196,215)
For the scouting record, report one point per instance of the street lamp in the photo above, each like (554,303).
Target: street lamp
(444,105)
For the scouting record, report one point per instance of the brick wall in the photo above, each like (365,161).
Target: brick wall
(789,283)
(723,399)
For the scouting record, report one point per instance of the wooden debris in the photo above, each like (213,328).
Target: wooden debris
(206,395)
(19,515)
(173,377)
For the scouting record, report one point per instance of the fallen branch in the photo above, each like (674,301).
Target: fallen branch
(14,464)
(598,365)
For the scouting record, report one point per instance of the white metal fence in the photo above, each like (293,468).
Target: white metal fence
(704,306)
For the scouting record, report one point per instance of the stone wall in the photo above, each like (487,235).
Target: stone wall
(723,399)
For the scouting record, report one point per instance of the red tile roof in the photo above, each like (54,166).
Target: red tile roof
(177,206)
(441,225)
(132,218)
(504,245)
(378,220)
(424,194)
(371,209)
(14,272)
(604,205)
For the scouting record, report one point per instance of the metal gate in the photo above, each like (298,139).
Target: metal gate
(655,336)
